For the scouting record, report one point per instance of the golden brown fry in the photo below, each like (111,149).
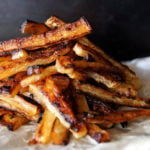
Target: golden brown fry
(119,117)
(100,135)
(54,22)
(107,96)
(18,104)
(64,65)
(32,27)
(67,32)
(59,134)
(113,83)
(14,67)
(44,129)
(13,120)
(84,51)
(50,70)
(106,75)
(105,79)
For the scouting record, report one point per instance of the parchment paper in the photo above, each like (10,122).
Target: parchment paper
(135,137)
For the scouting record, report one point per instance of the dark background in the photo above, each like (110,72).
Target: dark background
(121,27)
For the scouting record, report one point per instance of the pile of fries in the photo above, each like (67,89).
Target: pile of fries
(61,81)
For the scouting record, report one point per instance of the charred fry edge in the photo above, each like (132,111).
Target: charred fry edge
(110,97)
(93,130)
(32,27)
(13,120)
(59,129)
(44,128)
(18,104)
(34,78)
(119,117)
(22,66)
(67,32)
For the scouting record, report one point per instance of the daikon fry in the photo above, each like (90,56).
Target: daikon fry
(50,70)
(59,134)
(32,27)
(13,120)
(120,116)
(44,128)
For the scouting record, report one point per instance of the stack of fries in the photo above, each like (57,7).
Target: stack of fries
(61,81)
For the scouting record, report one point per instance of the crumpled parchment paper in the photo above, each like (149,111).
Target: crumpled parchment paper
(135,137)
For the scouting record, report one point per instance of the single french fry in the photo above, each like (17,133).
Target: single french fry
(50,70)
(113,83)
(44,129)
(108,96)
(13,120)
(32,27)
(67,32)
(83,51)
(120,116)
(20,105)
(102,78)
(59,134)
